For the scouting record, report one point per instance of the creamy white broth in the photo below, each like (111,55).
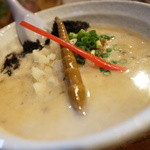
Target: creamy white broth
(110,99)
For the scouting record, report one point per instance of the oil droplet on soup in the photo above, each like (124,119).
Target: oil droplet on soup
(111,99)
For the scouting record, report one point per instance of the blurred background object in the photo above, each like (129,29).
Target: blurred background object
(36,5)
(5,14)
(32,5)
(71,1)
(44,4)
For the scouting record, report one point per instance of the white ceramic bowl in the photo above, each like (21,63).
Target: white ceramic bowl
(132,15)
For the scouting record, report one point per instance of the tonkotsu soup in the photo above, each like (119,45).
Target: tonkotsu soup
(34,102)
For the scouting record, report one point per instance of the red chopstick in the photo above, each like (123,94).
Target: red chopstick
(98,61)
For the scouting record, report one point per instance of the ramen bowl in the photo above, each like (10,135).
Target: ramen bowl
(129,15)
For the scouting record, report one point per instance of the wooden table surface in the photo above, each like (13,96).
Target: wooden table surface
(143,143)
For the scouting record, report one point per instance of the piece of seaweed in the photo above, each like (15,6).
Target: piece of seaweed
(12,60)
(71,26)
(11,63)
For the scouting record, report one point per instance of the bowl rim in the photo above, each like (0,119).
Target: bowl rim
(131,127)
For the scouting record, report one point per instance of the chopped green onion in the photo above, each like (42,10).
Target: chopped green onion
(81,34)
(114,61)
(98,44)
(84,47)
(73,41)
(115,47)
(87,40)
(108,50)
(90,42)
(122,61)
(72,35)
(107,37)
(92,32)
(80,59)
(105,71)
(93,52)
(97,53)
(105,55)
